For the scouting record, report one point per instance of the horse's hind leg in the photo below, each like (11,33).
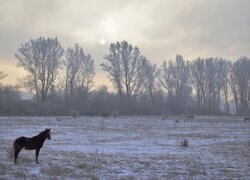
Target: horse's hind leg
(16,152)
(16,149)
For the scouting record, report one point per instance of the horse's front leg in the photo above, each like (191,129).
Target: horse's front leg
(37,153)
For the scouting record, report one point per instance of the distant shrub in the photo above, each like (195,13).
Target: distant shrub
(74,114)
(164,117)
(105,115)
(115,114)
(190,116)
(58,119)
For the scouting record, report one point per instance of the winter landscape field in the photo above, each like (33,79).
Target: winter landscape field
(136,147)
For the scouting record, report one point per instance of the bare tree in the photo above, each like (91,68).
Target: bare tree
(114,67)
(233,86)
(174,77)
(80,70)
(214,80)
(209,78)
(198,80)
(2,75)
(41,59)
(166,77)
(126,68)
(225,72)
(240,83)
(151,80)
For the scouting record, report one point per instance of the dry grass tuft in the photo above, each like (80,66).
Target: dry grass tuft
(56,170)
(184,143)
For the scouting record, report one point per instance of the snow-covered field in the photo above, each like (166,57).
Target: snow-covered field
(129,148)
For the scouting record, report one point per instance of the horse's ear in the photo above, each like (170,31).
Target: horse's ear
(49,129)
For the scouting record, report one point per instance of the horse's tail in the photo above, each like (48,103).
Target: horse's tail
(7,150)
(10,152)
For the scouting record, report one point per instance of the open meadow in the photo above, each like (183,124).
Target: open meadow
(129,147)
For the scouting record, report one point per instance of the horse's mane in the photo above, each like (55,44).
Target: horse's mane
(42,133)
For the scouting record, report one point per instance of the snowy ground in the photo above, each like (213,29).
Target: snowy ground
(129,148)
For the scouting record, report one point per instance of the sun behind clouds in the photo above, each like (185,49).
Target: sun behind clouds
(102,42)
(108,30)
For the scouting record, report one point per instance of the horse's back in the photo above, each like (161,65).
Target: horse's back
(20,140)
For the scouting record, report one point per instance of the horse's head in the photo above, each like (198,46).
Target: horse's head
(48,133)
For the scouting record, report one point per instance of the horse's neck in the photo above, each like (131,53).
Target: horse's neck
(41,138)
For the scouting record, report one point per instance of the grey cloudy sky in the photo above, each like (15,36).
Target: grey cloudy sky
(160,28)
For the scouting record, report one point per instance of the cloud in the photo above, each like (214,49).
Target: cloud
(160,28)
(216,28)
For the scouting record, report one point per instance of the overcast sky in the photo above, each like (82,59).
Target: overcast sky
(160,28)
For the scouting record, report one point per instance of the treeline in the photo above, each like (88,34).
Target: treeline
(61,81)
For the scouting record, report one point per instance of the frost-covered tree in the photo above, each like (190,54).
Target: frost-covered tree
(2,75)
(126,68)
(151,80)
(79,70)
(174,77)
(224,73)
(209,78)
(213,82)
(41,59)
(197,68)
(240,83)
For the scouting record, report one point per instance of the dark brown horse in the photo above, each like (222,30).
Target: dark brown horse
(33,143)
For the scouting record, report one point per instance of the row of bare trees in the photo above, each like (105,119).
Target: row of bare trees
(49,67)
(200,86)
(218,85)
(209,86)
